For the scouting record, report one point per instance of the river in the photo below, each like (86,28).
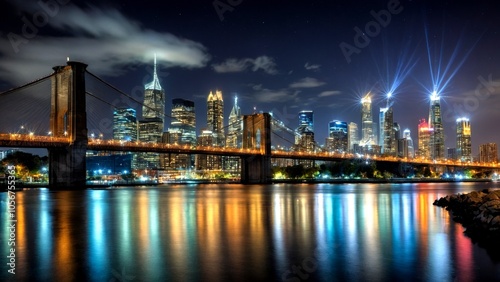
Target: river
(233,232)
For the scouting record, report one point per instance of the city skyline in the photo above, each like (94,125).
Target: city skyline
(314,75)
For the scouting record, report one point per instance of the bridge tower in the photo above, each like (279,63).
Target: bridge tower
(68,118)
(257,136)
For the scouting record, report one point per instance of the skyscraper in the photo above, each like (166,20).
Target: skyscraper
(152,125)
(436,146)
(154,99)
(381,126)
(352,135)
(488,153)
(411,149)
(124,124)
(424,139)
(367,137)
(215,117)
(235,128)
(390,138)
(306,119)
(464,147)
(182,131)
(337,136)
(184,120)
(234,136)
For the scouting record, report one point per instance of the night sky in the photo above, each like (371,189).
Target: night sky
(279,56)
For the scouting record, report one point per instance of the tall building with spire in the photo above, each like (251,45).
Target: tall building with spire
(367,137)
(154,99)
(152,125)
(234,137)
(436,146)
(235,127)
(464,146)
(215,117)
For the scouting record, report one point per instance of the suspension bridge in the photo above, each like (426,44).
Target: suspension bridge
(80,102)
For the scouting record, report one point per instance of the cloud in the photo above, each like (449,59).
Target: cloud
(263,63)
(104,39)
(329,93)
(312,67)
(307,82)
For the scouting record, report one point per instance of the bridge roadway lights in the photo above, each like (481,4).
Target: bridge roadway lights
(68,118)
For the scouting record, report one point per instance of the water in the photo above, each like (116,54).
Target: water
(292,232)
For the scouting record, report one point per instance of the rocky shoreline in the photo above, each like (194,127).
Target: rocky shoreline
(479,213)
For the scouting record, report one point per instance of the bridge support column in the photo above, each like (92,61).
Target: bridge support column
(257,136)
(68,119)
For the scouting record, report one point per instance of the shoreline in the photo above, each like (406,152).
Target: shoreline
(479,213)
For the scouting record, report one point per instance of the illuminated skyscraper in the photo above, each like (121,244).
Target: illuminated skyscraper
(488,153)
(184,120)
(337,137)
(464,147)
(152,125)
(381,126)
(390,139)
(411,149)
(154,98)
(235,128)
(367,137)
(234,136)
(352,135)
(182,131)
(436,145)
(215,117)
(306,119)
(424,139)
(125,124)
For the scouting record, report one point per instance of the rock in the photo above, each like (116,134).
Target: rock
(478,212)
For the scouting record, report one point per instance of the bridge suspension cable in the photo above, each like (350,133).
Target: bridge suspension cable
(19,88)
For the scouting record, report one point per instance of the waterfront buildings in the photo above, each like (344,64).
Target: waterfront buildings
(464,146)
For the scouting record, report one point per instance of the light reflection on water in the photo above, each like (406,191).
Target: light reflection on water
(366,232)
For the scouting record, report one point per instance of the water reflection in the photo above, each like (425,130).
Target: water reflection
(243,233)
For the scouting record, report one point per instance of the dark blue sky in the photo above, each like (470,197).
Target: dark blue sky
(280,56)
